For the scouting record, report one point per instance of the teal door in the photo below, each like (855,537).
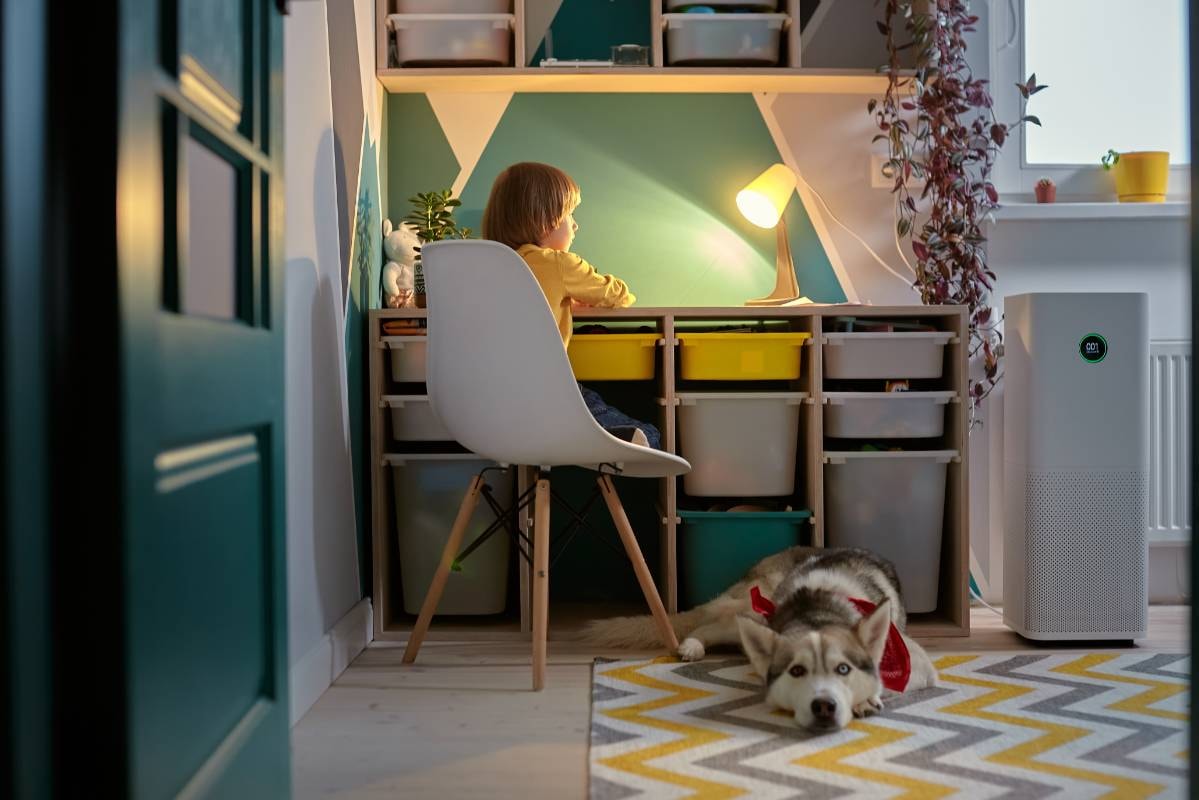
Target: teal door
(199,216)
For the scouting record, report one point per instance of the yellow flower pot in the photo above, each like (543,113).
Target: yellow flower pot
(1141,177)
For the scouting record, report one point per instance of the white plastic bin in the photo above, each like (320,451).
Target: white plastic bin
(892,503)
(453,6)
(428,491)
(916,354)
(755,5)
(429,40)
(888,415)
(740,444)
(414,420)
(715,39)
(407,357)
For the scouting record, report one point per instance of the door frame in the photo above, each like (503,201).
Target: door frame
(25,655)
(62,597)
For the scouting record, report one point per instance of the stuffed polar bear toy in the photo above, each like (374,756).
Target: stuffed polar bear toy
(400,246)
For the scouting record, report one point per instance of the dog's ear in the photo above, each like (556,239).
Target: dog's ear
(873,628)
(758,642)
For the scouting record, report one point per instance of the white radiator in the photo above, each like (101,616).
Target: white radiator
(1169,441)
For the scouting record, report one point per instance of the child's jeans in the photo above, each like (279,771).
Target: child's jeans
(617,423)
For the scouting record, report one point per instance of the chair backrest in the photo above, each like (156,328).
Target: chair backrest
(498,375)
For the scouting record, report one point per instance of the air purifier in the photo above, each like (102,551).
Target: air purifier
(1076,465)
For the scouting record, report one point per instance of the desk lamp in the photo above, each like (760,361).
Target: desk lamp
(762,202)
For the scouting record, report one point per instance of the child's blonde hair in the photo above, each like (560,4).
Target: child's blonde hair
(527,201)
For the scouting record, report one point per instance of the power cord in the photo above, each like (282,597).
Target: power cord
(979,598)
(907,281)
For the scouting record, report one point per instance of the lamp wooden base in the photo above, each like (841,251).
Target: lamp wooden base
(786,288)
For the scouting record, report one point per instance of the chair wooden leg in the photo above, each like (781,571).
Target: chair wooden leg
(452,546)
(541,579)
(616,509)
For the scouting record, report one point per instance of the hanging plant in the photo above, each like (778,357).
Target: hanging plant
(942,140)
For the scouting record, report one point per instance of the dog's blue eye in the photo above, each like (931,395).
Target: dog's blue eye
(842,669)
(797,671)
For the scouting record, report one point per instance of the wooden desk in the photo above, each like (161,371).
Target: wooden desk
(951,618)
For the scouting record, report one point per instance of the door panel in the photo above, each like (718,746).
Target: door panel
(198,231)
(209,569)
(213,264)
(212,55)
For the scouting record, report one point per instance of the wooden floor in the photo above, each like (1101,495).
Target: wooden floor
(463,723)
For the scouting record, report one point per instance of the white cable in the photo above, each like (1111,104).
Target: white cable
(979,598)
(862,241)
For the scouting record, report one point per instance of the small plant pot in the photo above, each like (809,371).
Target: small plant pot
(1045,194)
(1141,177)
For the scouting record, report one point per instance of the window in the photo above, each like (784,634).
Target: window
(1118,78)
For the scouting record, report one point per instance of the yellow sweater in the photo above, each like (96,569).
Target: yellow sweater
(564,277)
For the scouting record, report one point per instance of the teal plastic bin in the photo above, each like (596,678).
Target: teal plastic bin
(719,547)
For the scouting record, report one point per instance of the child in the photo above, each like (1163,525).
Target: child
(531,209)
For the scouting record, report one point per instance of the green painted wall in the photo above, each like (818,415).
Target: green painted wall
(419,158)
(659,174)
(587,29)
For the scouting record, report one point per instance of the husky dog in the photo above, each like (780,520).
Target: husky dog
(820,653)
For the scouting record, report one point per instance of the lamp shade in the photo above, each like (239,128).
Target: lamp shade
(763,201)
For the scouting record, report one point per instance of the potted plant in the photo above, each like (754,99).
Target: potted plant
(1141,176)
(433,217)
(1045,190)
(943,138)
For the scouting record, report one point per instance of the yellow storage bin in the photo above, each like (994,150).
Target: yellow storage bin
(613,356)
(741,356)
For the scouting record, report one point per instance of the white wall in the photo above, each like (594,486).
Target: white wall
(322,559)
(1092,256)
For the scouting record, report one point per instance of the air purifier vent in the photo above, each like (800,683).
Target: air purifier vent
(1086,551)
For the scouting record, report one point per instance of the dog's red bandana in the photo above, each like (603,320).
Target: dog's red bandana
(896,666)
(760,604)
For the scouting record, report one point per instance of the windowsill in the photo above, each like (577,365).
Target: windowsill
(1171,209)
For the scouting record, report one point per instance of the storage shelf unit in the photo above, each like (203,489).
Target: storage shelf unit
(788,77)
(951,617)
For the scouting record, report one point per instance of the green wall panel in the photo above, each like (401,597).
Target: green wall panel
(659,175)
(419,157)
(366,253)
(587,29)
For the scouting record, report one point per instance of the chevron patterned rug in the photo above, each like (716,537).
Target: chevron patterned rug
(1000,725)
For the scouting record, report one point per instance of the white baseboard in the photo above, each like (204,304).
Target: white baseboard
(316,670)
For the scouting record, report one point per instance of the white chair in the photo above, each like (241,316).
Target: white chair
(499,379)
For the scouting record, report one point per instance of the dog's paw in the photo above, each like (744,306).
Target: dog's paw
(868,707)
(691,649)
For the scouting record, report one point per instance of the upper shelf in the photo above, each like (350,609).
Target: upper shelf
(633,79)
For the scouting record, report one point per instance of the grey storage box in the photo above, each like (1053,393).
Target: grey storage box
(414,420)
(740,444)
(453,39)
(888,415)
(739,5)
(408,355)
(428,492)
(453,6)
(892,503)
(915,354)
(723,39)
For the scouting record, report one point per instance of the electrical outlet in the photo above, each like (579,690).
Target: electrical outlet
(877,181)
